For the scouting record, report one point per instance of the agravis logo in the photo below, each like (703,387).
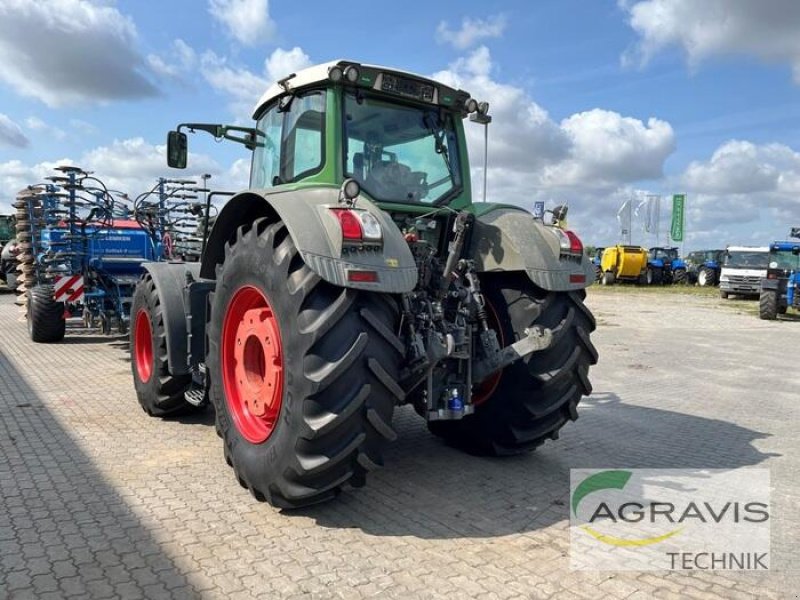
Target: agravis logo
(670,518)
(605,480)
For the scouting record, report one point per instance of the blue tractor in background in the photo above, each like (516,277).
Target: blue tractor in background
(779,291)
(703,267)
(597,258)
(664,265)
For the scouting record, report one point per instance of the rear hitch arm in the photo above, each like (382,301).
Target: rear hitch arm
(535,340)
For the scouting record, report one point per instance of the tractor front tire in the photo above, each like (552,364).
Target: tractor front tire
(304,374)
(706,277)
(160,393)
(46,322)
(529,401)
(768,305)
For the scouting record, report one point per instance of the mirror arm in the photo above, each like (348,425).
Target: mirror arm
(222,131)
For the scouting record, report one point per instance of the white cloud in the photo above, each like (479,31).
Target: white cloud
(741,167)
(16,175)
(175,63)
(595,150)
(70,51)
(608,149)
(244,87)
(36,124)
(247,21)
(11,133)
(744,192)
(522,135)
(131,165)
(83,127)
(282,63)
(471,32)
(713,28)
(239,84)
(590,160)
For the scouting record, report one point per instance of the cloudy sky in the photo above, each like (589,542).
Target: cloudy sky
(593,102)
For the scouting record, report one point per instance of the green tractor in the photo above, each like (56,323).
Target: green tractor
(356,275)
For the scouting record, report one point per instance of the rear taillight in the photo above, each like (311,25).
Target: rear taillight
(351,226)
(575,244)
(569,242)
(358,225)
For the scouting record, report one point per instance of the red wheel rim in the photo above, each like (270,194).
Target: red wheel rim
(252,364)
(487,387)
(143,345)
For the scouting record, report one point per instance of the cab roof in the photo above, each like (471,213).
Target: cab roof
(784,245)
(320,73)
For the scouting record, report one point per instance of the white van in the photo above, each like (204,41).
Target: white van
(743,268)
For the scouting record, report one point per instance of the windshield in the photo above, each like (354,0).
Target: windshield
(746,260)
(784,259)
(400,153)
(7,230)
(664,253)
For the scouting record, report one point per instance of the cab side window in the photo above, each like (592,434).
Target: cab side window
(292,136)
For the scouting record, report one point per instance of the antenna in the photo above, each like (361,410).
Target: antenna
(483,117)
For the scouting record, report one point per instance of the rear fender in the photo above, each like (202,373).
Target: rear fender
(510,239)
(770,284)
(171,281)
(317,235)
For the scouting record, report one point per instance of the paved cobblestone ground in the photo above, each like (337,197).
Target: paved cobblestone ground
(99,501)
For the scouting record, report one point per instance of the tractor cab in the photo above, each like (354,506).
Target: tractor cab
(783,260)
(398,135)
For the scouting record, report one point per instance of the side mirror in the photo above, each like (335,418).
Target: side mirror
(177,149)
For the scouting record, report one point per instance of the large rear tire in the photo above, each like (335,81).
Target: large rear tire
(45,316)
(768,305)
(160,393)
(608,278)
(304,374)
(654,276)
(536,396)
(679,276)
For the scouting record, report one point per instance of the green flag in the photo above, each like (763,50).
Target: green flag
(676,232)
